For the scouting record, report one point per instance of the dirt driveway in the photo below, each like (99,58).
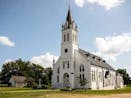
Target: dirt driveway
(86,96)
(112,96)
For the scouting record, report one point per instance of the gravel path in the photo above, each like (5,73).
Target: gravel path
(128,95)
(112,96)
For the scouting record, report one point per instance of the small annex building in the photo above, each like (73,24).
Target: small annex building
(18,81)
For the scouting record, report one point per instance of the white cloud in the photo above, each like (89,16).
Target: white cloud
(6,41)
(80,3)
(107,4)
(8,60)
(112,46)
(45,60)
(128,68)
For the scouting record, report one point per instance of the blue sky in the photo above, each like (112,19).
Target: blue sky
(31,29)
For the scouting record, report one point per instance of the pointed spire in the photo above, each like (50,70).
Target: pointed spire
(69,18)
(69,23)
(53,60)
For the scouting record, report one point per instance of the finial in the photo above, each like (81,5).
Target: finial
(69,18)
(53,60)
(68,6)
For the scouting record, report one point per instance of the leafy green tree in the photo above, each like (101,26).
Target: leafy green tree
(126,77)
(48,72)
(33,72)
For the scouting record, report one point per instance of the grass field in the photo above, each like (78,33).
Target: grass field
(10,92)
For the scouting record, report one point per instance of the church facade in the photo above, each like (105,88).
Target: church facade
(77,68)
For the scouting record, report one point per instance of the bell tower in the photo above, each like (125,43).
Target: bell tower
(69,37)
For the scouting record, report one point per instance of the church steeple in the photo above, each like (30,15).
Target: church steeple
(69,37)
(69,18)
(69,24)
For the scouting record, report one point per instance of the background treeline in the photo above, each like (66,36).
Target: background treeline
(33,72)
(126,77)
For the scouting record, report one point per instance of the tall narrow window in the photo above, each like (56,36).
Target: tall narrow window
(83,69)
(80,68)
(57,78)
(64,38)
(92,75)
(68,64)
(63,64)
(58,70)
(80,77)
(83,76)
(68,37)
(75,37)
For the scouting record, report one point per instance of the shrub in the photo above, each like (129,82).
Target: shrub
(3,85)
(45,86)
(66,89)
(34,85)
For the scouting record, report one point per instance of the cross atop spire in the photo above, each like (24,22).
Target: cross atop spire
(69,18)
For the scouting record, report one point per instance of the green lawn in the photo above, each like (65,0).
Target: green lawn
(10,92)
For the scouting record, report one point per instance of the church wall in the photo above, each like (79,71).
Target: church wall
(55,84)
(109,82)
(119,81)
(62,71)
(98,78)
(80,60)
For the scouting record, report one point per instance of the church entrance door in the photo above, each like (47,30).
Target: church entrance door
(66,82)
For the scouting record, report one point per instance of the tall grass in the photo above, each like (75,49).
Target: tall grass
(10,92)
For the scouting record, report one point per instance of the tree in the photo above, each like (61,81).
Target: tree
(82,82)
(48,72)
(126,77)
(33,72)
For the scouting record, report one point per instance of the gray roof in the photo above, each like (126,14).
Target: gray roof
(19,79)
(95,60)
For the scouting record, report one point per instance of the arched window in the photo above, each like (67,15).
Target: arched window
(82,68)
(82,76)
(66,81)
(66,64)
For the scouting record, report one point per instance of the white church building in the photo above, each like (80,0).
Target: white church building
(77,68)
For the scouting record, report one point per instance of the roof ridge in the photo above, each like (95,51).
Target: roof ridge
(93,60)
